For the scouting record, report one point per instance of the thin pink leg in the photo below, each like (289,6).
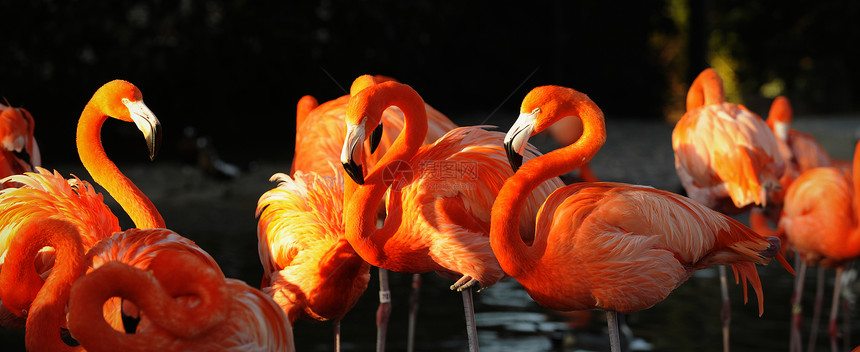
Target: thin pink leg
(816,310)
(384,310)
(796,342)
(834,310)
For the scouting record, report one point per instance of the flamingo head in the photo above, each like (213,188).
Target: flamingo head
(541,108)
(779,117)
(364,120)
(123,101)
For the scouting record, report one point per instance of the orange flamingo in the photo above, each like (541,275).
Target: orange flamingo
(319,137)
(22,289)
(309,267)
(228,314)
(819,217)
(439,204)
(618,247)
(49,195)
(16,136)
(726,158)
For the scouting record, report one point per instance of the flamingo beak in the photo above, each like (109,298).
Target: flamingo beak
(375,137)
(517,138)
(355,136)
(147,123)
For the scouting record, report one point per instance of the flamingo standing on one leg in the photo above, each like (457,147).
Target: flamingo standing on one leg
(726,157)
(822,207)
(16,136)
(48,195)
(618,247)
(309,267)
(439,204)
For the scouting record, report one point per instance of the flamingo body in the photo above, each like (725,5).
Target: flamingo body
(16,136)
(604,238)
(445,206)
(309,267)
(726,156)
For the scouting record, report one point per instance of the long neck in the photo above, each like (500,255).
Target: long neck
(104,172)
(47,310)
(856,180)
(706,89)
(362,200)
(514,255)
(160,293)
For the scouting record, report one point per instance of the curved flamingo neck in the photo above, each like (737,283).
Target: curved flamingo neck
(706,89)
(47,310)
(157,292)
(362,200)
(104,172)
(515,257)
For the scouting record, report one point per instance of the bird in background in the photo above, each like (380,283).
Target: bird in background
(565,132)
(44,194)
(227,314)
(726,158)
(310,269)
(438,208)
(613,246)
(819,218)
(19,152)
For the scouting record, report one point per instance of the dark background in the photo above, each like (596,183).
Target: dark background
(235,69)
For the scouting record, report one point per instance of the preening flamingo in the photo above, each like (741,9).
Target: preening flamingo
(310,269)
(228,314)
(438,209)
(820,218)
(726,157)
(614,246)
(16,136)
(44,194)
(22,289)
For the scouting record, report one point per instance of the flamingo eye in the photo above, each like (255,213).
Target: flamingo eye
(536,111)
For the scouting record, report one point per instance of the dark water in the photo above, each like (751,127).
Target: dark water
(219,216)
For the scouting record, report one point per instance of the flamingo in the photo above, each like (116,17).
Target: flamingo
(726,158)
(319,138)
(438,210)
(819,218)
(16,136)
(45,194)
(228,314)
(614,246)
(309,267)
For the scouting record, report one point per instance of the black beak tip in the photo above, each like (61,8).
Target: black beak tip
(514,158)
(354,171)
(154,143)
(375,138)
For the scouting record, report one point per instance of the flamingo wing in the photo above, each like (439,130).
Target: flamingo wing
(625,236)
(309,266)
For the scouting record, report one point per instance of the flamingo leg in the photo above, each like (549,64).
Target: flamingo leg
(413,311)
(384,310)
(726,314)
(797,309)
(336,335)
(471,329)
(816,310)
(612,325)
(834,310)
